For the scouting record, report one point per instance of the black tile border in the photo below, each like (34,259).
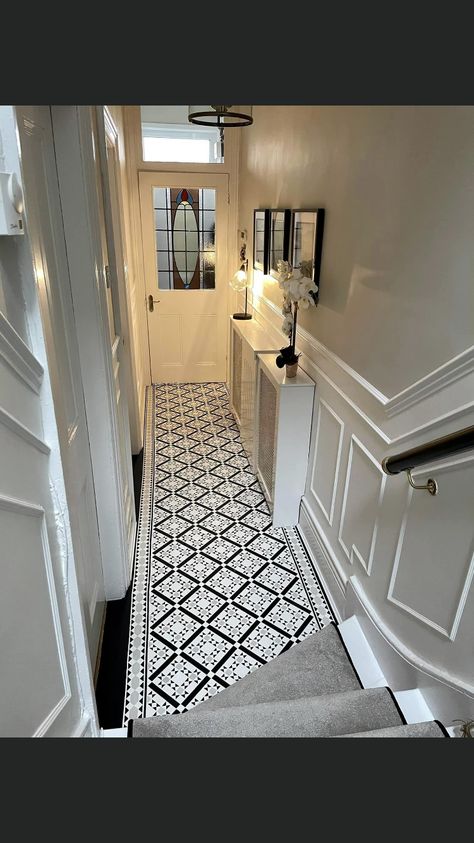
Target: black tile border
(112,674)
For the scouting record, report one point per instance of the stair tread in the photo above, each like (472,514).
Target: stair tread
(324,715)
(429,729)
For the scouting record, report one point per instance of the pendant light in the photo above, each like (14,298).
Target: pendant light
(219,116)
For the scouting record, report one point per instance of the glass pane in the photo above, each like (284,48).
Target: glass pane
(208,218)
(259,257)
(167,135)
(185,238)
(304,236)
(179,240)
(192,241)
(163,261)
(162,220)
(162,240)
(279,234)
(208,199)
(159,197)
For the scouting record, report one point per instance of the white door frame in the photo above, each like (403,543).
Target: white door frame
(108,137)
(125,391)
(135,164)
(73,138)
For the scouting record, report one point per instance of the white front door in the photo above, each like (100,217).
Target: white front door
(54,289)
(184,223)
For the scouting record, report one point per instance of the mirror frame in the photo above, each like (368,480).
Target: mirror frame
(262,266)
(317,246)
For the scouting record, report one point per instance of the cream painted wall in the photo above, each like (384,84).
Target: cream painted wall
(397,302)
(397,183)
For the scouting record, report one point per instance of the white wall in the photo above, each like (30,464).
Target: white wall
(395,319)
(397,184)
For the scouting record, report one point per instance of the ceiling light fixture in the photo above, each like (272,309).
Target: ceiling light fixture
(219,116)
(222,118)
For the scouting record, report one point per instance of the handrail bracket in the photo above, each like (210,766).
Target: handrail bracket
(431,485)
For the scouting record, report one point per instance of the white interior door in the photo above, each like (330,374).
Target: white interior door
(185,229)
(116,308)
(49,254)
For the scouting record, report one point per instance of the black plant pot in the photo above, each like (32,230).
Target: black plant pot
(286,357)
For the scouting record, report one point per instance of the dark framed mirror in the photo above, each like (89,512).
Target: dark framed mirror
(261,236)
(280,230)
(307,242)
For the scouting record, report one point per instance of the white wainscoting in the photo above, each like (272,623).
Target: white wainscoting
(409,555)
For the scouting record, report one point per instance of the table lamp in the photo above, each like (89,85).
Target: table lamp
(240,281)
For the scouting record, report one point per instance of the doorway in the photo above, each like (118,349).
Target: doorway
(185,227)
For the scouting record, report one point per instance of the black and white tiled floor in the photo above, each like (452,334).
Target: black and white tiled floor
(217,591)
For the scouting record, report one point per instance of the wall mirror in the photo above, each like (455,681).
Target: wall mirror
(307,242)
(279,246)
(261,233)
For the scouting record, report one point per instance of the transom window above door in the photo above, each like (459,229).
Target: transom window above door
(167,135)
(185,235)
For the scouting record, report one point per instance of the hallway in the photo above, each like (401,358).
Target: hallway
(278,335)
(216,591)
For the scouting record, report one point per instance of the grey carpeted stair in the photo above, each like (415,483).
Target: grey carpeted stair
(430,729)
(321,716)
(311,690)
(317,665)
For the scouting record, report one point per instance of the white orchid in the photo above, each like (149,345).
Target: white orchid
(285,271)
(299,290)
(287,326)
(286,308)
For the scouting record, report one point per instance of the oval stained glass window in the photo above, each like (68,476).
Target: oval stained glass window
(185,242)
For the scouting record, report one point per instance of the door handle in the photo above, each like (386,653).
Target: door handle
(152,302)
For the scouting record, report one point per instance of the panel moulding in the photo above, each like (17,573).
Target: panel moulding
(328,515)
(366,563)
(450,632)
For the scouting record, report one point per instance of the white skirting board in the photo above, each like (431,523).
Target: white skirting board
(411,701)
(114,733)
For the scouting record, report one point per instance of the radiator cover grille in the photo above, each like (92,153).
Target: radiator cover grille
(237,374)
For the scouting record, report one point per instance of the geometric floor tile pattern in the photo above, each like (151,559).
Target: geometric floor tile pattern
(217,591)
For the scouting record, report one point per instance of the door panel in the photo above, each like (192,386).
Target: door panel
(29,647)
(52,271)
(185,220)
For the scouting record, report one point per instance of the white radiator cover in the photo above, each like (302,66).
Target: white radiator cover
(284,413)
(247,339)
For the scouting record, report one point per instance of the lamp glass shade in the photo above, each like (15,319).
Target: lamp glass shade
(239,280)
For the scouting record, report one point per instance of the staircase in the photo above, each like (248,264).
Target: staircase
(311,690)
